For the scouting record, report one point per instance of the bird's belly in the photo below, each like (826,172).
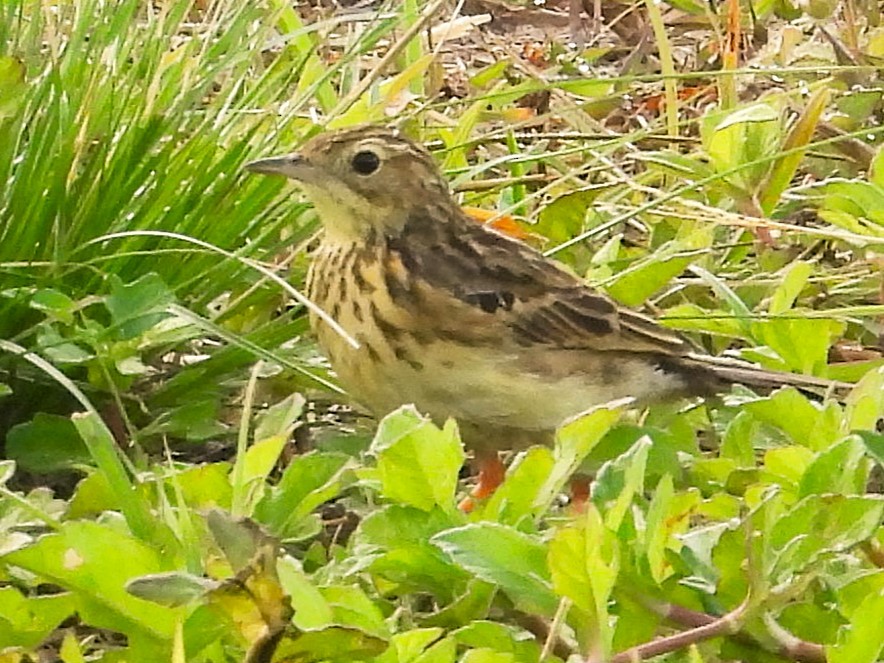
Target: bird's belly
(483,387)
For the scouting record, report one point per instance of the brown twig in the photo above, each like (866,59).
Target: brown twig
(552,639)
(542,631)
(788,646)
(497,182)
(725,625)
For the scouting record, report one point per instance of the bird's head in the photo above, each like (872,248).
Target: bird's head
(362,180)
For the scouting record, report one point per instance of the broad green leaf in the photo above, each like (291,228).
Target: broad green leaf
(850,222)
(863,640)
(171,589)
(47,443)
(312,611)
(27,621)
(789,411)
(240,539)
(55,303)
(473,604)
(584,563)
(204,486)
(742,137)
(619,481)
(788,464)
(332,643)
(820,524)
(418,462)
(852,594)
(279,418)
(526,477)
(811,621)
(307,482)
(422,568)
(405,647)
(784,168)
(803,343)
(874,444)
(399,539)
(793,282)
(12,85)
(854,371)
(633,286)
(261,457)
(500,638)
(136,307)
(487,656)
(503,556)
(444,651)
(351,606)
(738,440)
(690,317)
(396,525)
(854,204)
(574,441)
(661,524)
(564,217)
(865,403)
(94,562)
(93,495)
(840,469)
(696,552)
(490,74)
(60,349)
(729,580)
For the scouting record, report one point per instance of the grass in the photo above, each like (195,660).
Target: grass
(149,315)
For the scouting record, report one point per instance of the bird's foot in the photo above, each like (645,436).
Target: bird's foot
(491,474)
(579,493)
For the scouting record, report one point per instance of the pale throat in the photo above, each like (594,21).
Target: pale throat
(348,217)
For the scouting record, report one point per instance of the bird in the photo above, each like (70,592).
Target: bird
(463,321)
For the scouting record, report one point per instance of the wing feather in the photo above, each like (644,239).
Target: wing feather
(538,301)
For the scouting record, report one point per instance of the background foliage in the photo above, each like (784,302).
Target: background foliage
(718,165)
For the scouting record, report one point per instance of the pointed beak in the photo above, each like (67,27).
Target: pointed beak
(293,166)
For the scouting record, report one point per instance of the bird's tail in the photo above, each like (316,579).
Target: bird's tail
(730,371)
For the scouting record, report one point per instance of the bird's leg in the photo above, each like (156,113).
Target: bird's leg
(579,493)
(491,474)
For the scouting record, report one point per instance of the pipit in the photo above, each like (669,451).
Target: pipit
(465,322)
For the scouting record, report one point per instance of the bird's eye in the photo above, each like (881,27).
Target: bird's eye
(365,162)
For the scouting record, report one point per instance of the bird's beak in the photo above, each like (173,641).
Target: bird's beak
(293,166)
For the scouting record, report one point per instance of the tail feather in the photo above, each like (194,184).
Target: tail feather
(732,371)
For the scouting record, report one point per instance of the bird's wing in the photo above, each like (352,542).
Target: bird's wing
(538,301)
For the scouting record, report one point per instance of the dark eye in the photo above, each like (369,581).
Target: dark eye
(366,162)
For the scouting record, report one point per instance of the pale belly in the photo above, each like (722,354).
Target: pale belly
(486,389)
